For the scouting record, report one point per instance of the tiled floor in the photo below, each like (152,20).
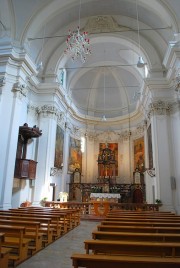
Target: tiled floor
(58,254)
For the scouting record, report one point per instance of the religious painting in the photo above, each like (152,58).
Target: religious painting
(58,160)
(150,151)
(109,154)
(139,162)
(75,155)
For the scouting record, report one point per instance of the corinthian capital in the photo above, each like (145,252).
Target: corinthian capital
(159,108)
(125,135)
(49,111)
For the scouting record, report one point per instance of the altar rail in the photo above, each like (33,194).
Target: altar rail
(86,207)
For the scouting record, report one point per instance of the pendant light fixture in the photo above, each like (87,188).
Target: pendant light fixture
(40,64)
(140,63)
(104,117)
(78,45)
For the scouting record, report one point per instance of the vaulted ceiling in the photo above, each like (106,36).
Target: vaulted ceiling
(109,82)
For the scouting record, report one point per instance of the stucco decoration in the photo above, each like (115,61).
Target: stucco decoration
(2,81)
(32,109)
(139,131)
(175,107)
(107,136)
(49,111)
(124,136)
(159,108)
(20,90)
(98,24)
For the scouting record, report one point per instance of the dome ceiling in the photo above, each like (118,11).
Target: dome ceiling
(109,82)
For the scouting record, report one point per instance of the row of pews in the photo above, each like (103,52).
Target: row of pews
(133,240)
(25,231)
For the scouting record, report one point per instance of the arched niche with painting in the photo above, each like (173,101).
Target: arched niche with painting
(138,177)
(76,176)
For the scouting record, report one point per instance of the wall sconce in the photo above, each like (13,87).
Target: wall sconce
(142,169)
(150,171)
(55,170)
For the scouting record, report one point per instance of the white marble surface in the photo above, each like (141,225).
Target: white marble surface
(105,195)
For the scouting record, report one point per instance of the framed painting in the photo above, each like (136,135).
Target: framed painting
(114,148)
(75,155)
(139,162)
(58,160)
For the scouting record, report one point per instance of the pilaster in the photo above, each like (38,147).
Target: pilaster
(47,117)
(13,112)
(159,115)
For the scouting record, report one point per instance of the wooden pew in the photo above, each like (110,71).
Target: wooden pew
(45,228)
(130,236)
(144,229)
(133,248)
(15,240)
(175,219)
(32,232)
(143,215)
(70,218)
(74,213)
(141,223)
(106,261)
(127,212)
(4,252)
(58,222)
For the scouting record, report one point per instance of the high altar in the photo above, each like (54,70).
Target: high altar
(106,189)
(106,177)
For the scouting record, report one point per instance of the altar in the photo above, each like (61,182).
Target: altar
(108,197)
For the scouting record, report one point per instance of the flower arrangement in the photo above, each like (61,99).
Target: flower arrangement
(96,189)
(158,201)
(114,189)
(63,196)
(43,200)
(26,204)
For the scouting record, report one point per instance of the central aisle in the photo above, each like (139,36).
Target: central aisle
(57,255)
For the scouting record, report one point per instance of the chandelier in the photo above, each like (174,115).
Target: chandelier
(78,45)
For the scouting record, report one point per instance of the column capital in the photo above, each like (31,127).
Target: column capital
(20,90)
(159,107)
(49,111)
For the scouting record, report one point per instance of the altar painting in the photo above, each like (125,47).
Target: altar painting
(114,148)
(75,155)
(139,156)
(58,160)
